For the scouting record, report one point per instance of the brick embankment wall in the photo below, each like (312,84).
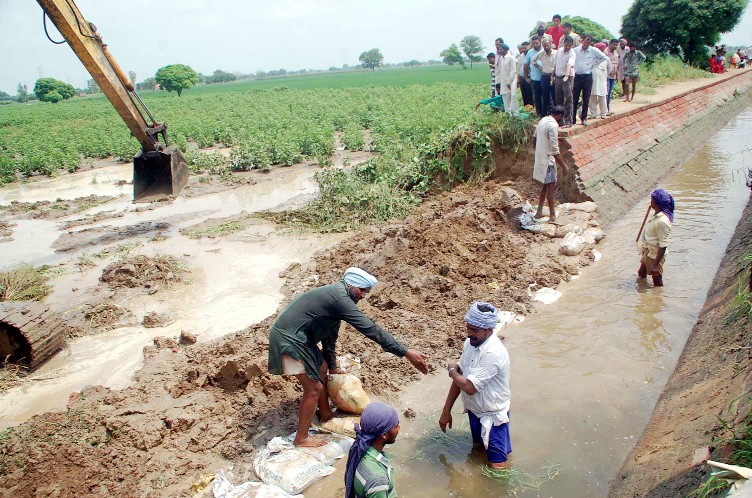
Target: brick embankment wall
(620,159)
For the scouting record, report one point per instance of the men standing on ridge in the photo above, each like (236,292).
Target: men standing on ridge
(533,75)
(491,58)
(546,157)
(612,52)
(567,30)
(555,31)
(482,378)
(369,472)
(540,32)
(522,82)
(545,60)
(563,79)
(506,78)
(586,58)
(623,51)
(314,317)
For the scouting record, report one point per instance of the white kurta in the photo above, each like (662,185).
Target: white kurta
(506,76)
(546,146)
(600,78)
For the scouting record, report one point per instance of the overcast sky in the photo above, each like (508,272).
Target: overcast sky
(251,35)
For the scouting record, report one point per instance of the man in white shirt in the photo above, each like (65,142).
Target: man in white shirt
(482,378)
(547,155)
(586,58)
(506,78)
(563,79)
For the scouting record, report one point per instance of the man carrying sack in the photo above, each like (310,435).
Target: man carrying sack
(369,473)
(314,317)
(654,241)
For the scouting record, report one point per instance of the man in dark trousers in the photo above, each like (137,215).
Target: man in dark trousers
(314,317)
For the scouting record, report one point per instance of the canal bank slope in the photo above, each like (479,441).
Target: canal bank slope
(713,374)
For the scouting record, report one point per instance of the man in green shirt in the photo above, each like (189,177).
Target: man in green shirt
(314,317)
(369,473)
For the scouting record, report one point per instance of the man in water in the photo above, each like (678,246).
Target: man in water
(482,378)
(654,241)
(314,317)
(369,473)
(547,155)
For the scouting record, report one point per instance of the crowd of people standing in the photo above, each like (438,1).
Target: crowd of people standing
(558,66)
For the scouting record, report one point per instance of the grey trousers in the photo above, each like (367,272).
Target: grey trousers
(563,96)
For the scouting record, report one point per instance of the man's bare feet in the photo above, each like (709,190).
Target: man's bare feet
(538,215)
(311,442)
(325,416)
(552,220)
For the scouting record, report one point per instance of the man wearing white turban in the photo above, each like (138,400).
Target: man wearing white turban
(314,317)
(482,378)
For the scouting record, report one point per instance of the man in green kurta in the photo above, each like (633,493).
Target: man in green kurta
(314,317)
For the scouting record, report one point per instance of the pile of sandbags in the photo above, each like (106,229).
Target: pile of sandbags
(341,425)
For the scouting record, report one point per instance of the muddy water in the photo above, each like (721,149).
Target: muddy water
(588,369)
(234,280)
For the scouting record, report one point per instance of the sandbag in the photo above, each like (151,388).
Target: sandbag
(223,488)
(587,206)
(593,235)
(336,447)
(572,244)
(347,394)
(341,425)
(281,464)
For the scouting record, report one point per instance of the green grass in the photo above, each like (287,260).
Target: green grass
(223,228)
(24,283)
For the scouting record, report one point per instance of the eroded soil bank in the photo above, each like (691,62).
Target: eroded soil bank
(193,409)
(713,378)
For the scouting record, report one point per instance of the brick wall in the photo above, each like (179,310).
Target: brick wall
(620,159)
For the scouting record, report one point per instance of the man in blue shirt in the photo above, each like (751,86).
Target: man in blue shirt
(533,75)
(586,57)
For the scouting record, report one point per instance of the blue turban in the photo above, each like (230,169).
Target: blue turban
(665,202)
(482,315)
(359,278)
(375,420)
(504,46)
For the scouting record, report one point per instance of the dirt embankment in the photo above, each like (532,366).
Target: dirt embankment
(194,408)
(713,378)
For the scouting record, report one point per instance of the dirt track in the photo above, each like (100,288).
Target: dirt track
(191,409)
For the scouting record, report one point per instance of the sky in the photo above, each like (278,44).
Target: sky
(252,35)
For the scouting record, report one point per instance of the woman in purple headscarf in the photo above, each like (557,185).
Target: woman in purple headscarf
(654,241)
(369,472)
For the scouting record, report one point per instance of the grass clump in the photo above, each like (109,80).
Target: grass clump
(24,283)
(218,230)
(521,481)
(741,304)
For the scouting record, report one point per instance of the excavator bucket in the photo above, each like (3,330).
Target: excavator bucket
(158,174)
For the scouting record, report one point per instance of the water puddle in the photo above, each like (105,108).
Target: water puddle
(587,370)
(234,280)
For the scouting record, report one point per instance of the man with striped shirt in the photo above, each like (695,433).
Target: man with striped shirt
(369,473)
(491,58)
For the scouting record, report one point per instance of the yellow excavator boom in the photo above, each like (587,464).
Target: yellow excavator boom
(159,170)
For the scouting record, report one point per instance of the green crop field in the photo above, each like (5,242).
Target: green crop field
(275,121)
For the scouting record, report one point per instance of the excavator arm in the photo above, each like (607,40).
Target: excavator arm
(159,170)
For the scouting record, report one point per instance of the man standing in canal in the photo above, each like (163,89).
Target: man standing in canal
(654,243)
(314,317)
(482,378)
(546,157)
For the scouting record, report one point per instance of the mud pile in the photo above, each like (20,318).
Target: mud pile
(143,271)
(53,209)
(193,408)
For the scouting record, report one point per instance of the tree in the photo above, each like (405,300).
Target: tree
(176,77)
(371,59)
(132,76)
(22,93)
(92,87)
(52,90)
(148,84)
(472,46)
(585,26)
(452,55)
(680,27)
(5,96)
(220,76)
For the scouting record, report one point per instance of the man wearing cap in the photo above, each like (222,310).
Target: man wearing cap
(369,473)
(314,317)
(482,378)
(540,32)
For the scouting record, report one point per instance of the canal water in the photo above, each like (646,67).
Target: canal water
(588,369)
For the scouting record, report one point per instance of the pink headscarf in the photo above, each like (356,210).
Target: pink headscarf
(601,46)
